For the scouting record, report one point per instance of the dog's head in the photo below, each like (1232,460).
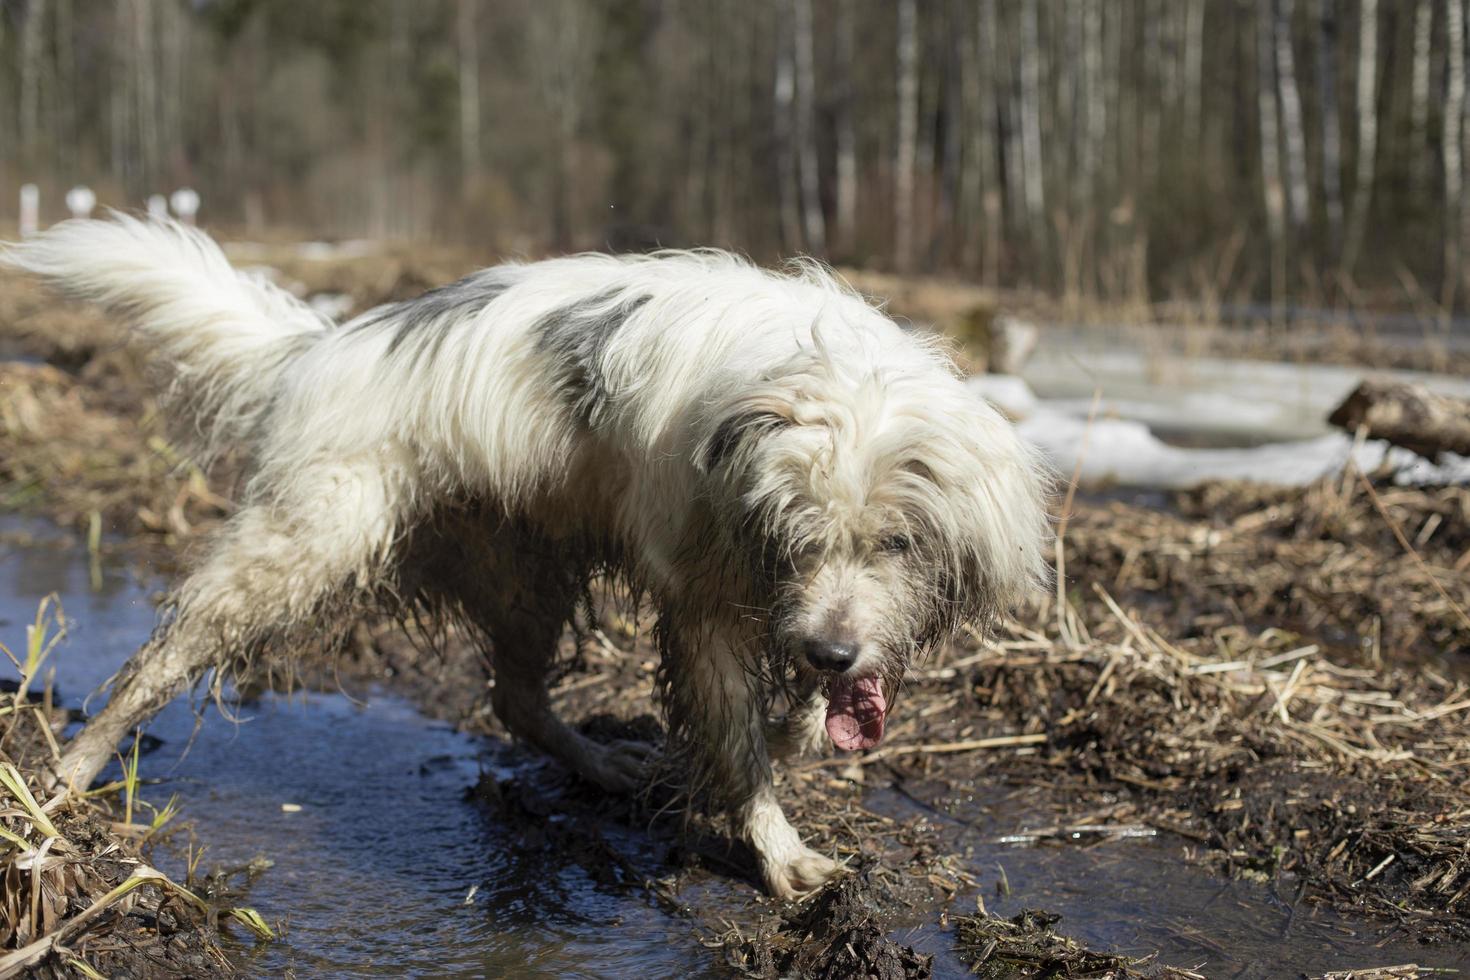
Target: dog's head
(879,506)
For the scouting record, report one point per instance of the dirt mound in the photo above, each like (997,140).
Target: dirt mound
(837,934)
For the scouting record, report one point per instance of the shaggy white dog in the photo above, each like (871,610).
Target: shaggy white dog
(803,490)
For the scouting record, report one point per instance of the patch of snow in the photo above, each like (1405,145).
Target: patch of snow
(1255,399)
(1125,451)
(1006,392)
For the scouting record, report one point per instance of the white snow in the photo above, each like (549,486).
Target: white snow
(1125,450)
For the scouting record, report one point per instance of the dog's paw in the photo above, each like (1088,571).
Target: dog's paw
(620,767)
(801,875)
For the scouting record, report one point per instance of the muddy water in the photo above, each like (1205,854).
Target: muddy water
(1141,897)
(373,871)
(362,809)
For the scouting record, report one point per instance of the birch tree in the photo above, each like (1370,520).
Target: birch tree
(467,27)
(1031,121)
(989,133)
(846,125)
(813,223)
(1367,111)
(1419,92)
(1294,140)
(1452,149)
(784,90)
(1194,59)
(1327,107)
(1271,150)
(32,66)
(908,131)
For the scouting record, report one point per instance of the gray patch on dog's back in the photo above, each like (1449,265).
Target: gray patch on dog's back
(576,335)
(420,325)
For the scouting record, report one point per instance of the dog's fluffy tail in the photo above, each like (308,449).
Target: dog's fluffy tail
(226,337)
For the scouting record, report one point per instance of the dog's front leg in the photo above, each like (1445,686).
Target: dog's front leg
(717,712)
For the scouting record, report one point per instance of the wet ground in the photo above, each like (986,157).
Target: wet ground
(1242,680)
(383,864)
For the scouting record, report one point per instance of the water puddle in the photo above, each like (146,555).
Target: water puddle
(383,867)
(373,870)
(1139,895)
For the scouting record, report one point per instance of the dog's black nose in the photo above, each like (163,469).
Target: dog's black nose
(830,655)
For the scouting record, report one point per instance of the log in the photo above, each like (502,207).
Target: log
(1407,415)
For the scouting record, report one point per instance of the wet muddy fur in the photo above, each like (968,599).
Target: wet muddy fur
(770,461)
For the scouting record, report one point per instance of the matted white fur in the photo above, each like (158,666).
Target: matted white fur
(804,490)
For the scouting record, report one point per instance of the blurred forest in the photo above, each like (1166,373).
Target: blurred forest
(1249,150)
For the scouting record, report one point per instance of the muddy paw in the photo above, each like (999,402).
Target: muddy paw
(800,876)
(621,767)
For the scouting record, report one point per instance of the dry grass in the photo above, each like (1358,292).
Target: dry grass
(79,895)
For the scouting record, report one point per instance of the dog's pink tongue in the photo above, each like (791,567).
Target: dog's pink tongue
(855,715)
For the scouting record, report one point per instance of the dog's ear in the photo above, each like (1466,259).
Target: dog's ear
(752,422)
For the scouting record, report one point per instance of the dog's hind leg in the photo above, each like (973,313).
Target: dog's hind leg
(523,600)
(270,571)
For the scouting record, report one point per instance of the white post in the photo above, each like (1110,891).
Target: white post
(185,202)
(158,207)
(80,201)
(30,210)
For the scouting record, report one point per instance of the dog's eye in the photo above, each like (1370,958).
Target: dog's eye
(895,543)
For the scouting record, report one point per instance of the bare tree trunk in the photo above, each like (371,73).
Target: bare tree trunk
(68,137)
(117,102)
(972,173)
(32,67)
(1291,119)
(1031,124)
(145,38)
(1331,125)
(171,29)
(1452,150)
(1419,94)
(989,133)
(1146,96)
(908,131)
(468,30)
(813,222)
(1194,58)
(1271,151)
(789,186)
(1367,105)
(847,176)
(1095,115)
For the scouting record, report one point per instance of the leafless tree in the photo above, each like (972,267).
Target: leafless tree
(1452,150)
(1271,185)
(467,31)
(813,223)
(1031,121)
(1419,91)
(1294,139)
(32,68)
(784,90)
(1367,111)
(908,133)
(846,125)
(1194,58)
(1327,109)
